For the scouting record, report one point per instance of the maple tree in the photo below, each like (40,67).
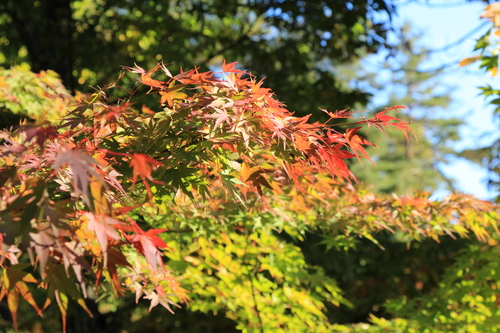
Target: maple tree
(184,203)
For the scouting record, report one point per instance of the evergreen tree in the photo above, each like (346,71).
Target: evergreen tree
(404,166)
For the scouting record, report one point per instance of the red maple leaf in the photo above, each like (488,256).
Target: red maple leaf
(356,142)
(146,76)
(143,166)
(148,243)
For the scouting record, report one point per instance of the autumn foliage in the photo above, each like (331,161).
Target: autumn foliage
(218,145)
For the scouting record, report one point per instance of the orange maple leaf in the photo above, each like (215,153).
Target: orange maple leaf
(143,166)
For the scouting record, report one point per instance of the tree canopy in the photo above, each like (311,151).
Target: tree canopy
(221,163)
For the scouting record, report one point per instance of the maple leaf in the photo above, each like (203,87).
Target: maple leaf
(41,134)
(72,253)
(143,166)
(492,12)
(9,252)
(62,288)
(254,176)
(302,142)
(80,165)
(165,70)
(156,299)
(356,142)
(115,258)
(258,91)
(42,241)
(220,116)
(146,76)
(168,95)
(468,61)
(100,202)
(112,113)
(102,226)
(335,161)
(382,121)
(14,286)
(230,68)
(340,114)
(193,77)
(148,243)
(13,147)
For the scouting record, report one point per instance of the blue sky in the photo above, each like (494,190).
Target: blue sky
(443,23)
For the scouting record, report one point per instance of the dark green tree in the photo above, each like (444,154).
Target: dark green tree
(404,166)
(294,44)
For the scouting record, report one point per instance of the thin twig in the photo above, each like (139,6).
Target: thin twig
(251,277)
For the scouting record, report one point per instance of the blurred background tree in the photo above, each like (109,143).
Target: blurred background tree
(294,44)
(404,166)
